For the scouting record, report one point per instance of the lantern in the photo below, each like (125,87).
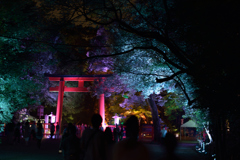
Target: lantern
(40,111)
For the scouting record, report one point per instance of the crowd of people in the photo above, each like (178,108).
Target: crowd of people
(96,144)
(27,131)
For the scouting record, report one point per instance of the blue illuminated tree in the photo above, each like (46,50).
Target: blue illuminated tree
(202,57)
(136,72)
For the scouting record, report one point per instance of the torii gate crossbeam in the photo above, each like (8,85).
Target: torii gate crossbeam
(62,88)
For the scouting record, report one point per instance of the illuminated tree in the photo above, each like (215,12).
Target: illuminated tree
(126,105)
(190,48)
(135,72)
(22,61)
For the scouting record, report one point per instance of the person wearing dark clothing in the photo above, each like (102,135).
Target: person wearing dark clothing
(33,131)
(121,133)
(66,132)
(10,132)
(93,141)
(71,145)
(170,144)
(52,130)
(109,143)
(17,133)
(26,132)
(130,148)
(39,134)
(108,135)
(116,133)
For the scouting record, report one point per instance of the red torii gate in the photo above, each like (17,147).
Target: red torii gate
(80,79)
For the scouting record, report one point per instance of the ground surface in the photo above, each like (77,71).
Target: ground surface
(185,151)
(49,151)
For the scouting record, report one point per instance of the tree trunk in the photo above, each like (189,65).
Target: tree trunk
(155,118)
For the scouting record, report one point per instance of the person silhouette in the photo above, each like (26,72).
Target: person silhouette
(163,133)
(108,135)
(71,145)
(109,143)
(26,132)
(39,134)
(116,133)
(17,133)
(82,129)
(170,144)
(130,148)
(93,140)
(66,132)
(33,130)
(52,130)
(121,133)
(10,132)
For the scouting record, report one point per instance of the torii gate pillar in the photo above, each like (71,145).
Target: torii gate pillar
(60,103)
(102,109)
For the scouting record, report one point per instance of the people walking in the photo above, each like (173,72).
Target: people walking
(26,132)
(52,130)
(71,145)
(109,143)
(170,144)
(33,131)
(17,133)
(163,133)
(93,141)
(65,135)
(116,133)
(39,134)
(130,148)
(82,129)
(10,132)
(121,133)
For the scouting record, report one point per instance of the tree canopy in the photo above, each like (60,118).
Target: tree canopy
(23,62)
(189,47)
(196,40)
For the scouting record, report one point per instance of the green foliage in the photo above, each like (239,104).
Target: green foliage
(129,108)
(21,61)
(115,100)
(171,107)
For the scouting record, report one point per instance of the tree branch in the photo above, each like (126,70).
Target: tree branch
(168,17)
(167,59)
(144,74)
(164,40)
(145,48)
(169,78)
(182,86)
(143,16)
